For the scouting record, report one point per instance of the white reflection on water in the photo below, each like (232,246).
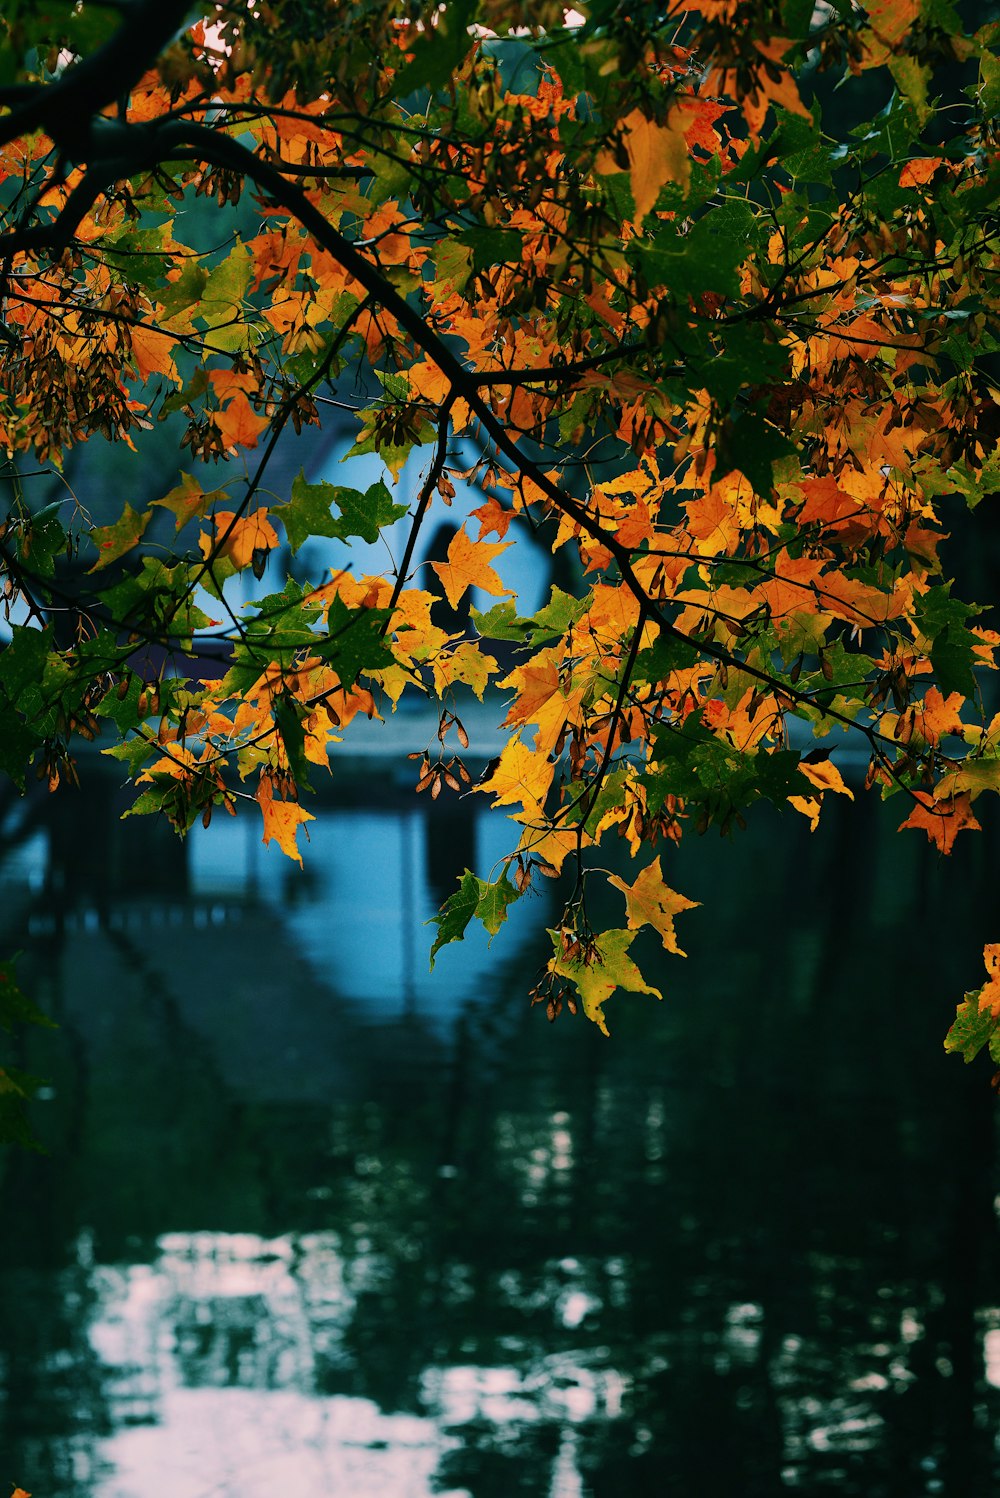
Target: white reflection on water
(211,1356)
(253,1443)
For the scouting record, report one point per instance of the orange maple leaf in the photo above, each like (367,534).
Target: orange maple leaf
(657,154)
(468,566)
(942,820)
(990,996)
(238,538)
(825,776)
(239,423)
(493,518)
(282,819)
(153,353)
(650,902)
(916,173)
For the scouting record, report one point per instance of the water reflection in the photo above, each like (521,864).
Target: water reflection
(317,1221)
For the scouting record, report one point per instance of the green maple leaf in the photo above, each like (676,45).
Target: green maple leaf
(113,541)
(972,1028)
(597,980)
(309,512)
(474,897)
(455,914)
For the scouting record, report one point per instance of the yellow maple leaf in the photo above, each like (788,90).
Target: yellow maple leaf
(825,776)
(282,819)
(552,847)
(468,566)
(520,776)
(535,682)
(650,902)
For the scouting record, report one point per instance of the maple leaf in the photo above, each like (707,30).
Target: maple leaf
(238,423)
(823,773)
(465,663)
(282,819)
(657,154)
(237,537)
(153,352)
(916,173)
(942,820)
(189,501)
(989,998)
(650,902)
(521,776)
(113,541)
(468,566)
(608,969)
(494,519)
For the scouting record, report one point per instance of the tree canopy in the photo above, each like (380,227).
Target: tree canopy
(710,288)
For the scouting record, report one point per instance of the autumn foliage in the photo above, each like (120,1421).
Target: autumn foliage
(722,329)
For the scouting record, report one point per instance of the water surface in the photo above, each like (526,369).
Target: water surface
(317,1221)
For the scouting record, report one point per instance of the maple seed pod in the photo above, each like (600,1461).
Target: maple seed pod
(206,816)
(123,687)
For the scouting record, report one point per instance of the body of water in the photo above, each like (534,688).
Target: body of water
(315,1221)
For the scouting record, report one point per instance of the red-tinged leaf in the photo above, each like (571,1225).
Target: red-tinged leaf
(494,519)
(114,541)
(189,501)
(916,173)
(153,352)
